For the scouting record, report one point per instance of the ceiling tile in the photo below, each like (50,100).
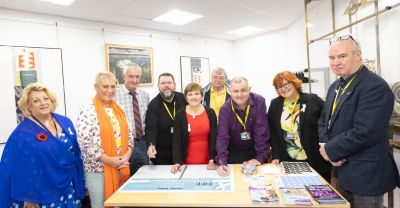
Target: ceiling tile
(220,16)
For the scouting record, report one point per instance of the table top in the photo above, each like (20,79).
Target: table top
(240,197)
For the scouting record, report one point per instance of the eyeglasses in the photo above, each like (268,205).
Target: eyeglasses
(345,37)
(284,86)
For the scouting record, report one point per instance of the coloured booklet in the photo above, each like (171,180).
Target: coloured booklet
(323,194)
(263,194)
(295,196)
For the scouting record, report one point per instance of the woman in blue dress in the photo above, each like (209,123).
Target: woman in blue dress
(41,164)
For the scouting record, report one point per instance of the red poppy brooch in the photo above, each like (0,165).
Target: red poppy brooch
(41,137)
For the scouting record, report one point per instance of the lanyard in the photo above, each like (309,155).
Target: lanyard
(42,125)
(169,112)
(246,117)
(291,108)
(337,98)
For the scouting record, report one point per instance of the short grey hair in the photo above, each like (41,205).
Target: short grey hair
(132,66)
(219,70)
(355,46)
(239,80)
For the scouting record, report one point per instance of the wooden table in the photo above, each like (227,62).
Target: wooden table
(239,198)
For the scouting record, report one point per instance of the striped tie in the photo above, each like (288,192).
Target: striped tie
(136,115)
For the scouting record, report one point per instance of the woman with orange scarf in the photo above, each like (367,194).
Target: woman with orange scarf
(105,140)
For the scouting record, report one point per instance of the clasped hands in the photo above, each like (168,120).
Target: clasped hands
(117,162)
(325,156)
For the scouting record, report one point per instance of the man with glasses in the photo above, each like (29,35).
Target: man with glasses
(353,127)
(217,92)
(243,131)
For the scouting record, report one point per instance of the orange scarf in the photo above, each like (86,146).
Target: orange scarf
(111,179)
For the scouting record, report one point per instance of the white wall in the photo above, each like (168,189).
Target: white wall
(257,58)
(82,43)
(83,47)
(260,58)
(365,32)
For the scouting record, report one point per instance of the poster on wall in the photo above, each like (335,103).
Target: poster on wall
(26,69)
(119,56)
(194,70)
(20,67)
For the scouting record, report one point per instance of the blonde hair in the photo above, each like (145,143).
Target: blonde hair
(104,75)
(23,102)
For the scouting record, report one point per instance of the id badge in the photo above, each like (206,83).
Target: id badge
(245,136)
(171,131)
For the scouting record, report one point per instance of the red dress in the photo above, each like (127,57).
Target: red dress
(198,139)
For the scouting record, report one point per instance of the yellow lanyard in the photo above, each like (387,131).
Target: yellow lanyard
(291,109)
(169,112)
(245,118)
(337,98)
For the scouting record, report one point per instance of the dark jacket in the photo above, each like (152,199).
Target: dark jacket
(358,132)
(180,143)
(158,127)
(207,93)
(310,110)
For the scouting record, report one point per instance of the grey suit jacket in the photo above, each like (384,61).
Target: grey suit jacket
(357,132)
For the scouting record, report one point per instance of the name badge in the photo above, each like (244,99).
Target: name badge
(171,130)
(245,136)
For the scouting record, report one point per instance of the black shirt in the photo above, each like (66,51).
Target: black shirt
(159,124)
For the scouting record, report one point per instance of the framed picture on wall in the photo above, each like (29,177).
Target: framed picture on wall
(118,56)
(194,69)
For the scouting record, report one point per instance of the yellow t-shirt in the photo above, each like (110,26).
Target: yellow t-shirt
(217,99)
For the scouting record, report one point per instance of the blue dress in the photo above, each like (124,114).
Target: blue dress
(48,173)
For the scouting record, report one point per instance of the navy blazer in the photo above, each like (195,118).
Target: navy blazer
(180,141)
(358,132)
(310,110)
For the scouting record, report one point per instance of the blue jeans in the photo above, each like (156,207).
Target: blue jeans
(139,156)
(361,201)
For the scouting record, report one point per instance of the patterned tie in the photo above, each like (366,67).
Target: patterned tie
(136,115)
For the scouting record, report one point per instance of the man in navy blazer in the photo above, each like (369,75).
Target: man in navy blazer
(353,127)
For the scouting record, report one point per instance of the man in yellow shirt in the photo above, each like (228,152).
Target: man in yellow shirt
(218,91)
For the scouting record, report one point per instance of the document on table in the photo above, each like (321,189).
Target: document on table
(191,178)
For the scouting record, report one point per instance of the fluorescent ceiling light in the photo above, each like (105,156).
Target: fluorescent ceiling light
(60,2)
(177,17)
(309,25)
(245,30)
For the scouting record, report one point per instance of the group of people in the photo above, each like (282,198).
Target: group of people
(47,163)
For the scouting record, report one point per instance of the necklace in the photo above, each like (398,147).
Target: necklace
(47,125)
(194,112)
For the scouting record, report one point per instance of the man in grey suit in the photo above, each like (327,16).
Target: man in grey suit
(353,128)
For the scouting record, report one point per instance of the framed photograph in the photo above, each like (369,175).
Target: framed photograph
(194,69)
(118,56)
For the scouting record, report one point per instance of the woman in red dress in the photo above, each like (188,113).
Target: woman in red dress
(195,130)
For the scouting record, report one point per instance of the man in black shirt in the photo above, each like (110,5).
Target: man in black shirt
(159,120)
